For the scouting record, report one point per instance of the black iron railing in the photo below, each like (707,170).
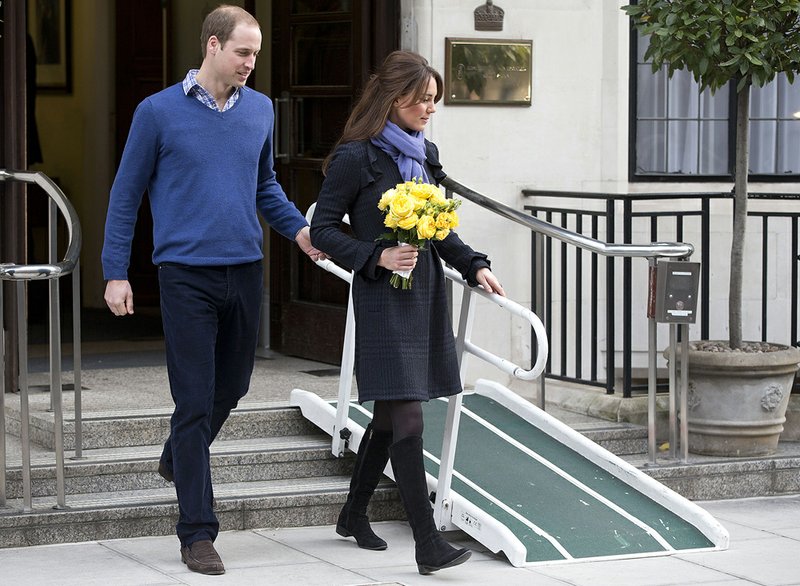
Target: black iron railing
(574,315)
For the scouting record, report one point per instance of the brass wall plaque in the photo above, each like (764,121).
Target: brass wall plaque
(488,71)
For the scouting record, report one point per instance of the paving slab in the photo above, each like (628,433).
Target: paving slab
(316,555)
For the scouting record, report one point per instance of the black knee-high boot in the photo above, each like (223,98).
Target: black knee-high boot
(373,454)
(432,551)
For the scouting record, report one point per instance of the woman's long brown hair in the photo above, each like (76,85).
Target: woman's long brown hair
(402,74)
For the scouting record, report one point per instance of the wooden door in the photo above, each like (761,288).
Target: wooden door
(140,73)
(323,50)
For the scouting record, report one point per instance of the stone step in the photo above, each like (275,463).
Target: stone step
(144,427)
(232,461)
(622,439)
(712,478)
(154,511)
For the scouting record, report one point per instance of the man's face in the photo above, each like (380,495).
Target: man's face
(233,61)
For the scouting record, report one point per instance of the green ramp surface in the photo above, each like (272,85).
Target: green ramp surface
(557,503)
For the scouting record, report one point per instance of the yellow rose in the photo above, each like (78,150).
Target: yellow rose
(390,221)
(402,205)
(386,198)
(453,219)
(419,203)
(443,220)
(426,228)
(442,234)
(407,223)
(419,190)
(436,192)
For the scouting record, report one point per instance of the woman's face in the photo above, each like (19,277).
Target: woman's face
(411,112)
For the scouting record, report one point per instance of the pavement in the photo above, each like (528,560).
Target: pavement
(764,550)
(764,532)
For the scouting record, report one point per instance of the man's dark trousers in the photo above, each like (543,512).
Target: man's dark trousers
(210,317)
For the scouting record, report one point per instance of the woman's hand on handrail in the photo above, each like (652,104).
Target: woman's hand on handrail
(487,279)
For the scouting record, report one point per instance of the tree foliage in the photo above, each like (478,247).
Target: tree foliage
(719,41)
(722,40)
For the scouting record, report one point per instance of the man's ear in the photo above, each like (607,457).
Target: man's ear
(213,45)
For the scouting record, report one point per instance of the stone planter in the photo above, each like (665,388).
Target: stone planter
(737,400)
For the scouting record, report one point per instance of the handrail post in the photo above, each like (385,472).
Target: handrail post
(673,375)
(76,359)
(24,412)
(651,365)
(538,301)
(56,388)
(684,407)
(442,510)
(341,435)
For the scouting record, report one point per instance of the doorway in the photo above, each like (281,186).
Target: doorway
(323,51)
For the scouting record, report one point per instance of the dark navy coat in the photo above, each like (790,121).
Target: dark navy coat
(404,338)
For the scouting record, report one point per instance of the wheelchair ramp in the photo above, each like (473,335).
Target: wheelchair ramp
(527,485)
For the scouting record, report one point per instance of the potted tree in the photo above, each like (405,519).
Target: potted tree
(738,391)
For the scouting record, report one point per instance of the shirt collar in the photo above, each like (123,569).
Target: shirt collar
(190,81)
(191,87)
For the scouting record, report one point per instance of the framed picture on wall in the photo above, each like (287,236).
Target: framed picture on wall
(488,72)
(50,28)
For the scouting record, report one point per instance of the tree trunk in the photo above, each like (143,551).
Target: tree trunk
(739,217)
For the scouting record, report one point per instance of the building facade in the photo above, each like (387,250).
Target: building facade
(596,120)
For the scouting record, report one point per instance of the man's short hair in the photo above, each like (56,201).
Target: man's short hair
(220,23)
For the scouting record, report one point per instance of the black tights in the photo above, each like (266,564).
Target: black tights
(402,418)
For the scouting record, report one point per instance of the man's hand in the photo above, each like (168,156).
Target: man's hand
(119,297)
(303,240)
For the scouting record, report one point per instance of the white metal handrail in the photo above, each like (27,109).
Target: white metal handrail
(464,345)
(652,252)
(676,250)
(21,273)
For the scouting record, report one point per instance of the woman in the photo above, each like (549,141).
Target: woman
(405,352)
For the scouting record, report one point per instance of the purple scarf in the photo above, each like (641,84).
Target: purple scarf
(407,150)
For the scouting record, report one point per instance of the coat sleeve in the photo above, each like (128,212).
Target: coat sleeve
(340,189)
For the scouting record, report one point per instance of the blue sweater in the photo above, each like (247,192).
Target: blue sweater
(206,174)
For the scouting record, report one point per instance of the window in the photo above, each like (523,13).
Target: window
(774,132)
(681,132)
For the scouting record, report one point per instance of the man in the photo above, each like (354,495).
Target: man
(202,149)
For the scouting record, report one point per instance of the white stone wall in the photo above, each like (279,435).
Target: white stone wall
(573,137)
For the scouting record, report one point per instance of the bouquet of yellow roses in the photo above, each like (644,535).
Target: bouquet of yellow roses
(415,213)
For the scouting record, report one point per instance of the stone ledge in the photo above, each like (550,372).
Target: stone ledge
(593,402)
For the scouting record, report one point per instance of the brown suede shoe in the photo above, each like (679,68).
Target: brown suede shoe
(201,557)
